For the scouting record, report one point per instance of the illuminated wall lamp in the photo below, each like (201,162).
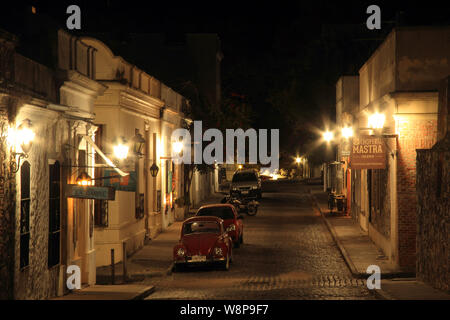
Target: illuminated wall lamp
(84,180)
(22,138)
(121,149)
(376,120)
(177,147)
(328,136)
(347,132)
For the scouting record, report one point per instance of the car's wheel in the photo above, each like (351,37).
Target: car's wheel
(178,267)
(252,209)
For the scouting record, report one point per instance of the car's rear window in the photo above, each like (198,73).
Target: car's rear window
(244,176)
(201,227)
(220,212)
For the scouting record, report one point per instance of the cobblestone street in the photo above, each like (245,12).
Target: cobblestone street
(288,253)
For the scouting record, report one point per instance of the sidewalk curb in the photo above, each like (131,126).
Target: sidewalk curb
(355,272)
(344,253)
(145,293)
(170,269)
(380,293)
(155,274)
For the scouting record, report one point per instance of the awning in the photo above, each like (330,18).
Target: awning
(107,160)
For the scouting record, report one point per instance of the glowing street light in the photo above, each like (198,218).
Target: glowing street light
(328,136)
(121,150)
(177,147)
(21,139)
(298,160)
(84,180)
(21,136)
(376,120)
(347,132)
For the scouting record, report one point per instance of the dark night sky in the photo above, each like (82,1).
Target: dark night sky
(268,46)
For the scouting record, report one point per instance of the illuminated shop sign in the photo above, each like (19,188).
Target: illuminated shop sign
(368,152)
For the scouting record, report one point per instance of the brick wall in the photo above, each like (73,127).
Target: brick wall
(413,134)
(433,215)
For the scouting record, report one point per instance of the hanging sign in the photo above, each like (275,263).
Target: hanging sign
(89,192)
(126,183)
(368,152)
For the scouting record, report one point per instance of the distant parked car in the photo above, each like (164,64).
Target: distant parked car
(247,184)
(232,220)
(204,240)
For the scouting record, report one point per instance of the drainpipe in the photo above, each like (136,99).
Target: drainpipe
(154,184)
(146,180)
(163,193)
(136,194)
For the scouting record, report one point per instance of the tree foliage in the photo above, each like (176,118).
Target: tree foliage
(233,111)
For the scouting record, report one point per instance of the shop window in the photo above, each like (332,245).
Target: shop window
(54,201)
(101,213)
(24,214)
(377,191)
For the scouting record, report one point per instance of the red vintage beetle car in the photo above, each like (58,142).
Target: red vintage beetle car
(204,240)
(232,221)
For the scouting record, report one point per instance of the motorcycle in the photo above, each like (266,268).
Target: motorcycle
(249,206)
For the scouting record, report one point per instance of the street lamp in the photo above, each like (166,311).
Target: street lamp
(376,120)
(177,147)
(138,144)
(22,139)
(84,180)
(347,132)
(298,160)
(121,149)
(154,170)
(26,135)
(328,136)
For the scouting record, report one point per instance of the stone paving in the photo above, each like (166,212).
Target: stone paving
(288,253)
